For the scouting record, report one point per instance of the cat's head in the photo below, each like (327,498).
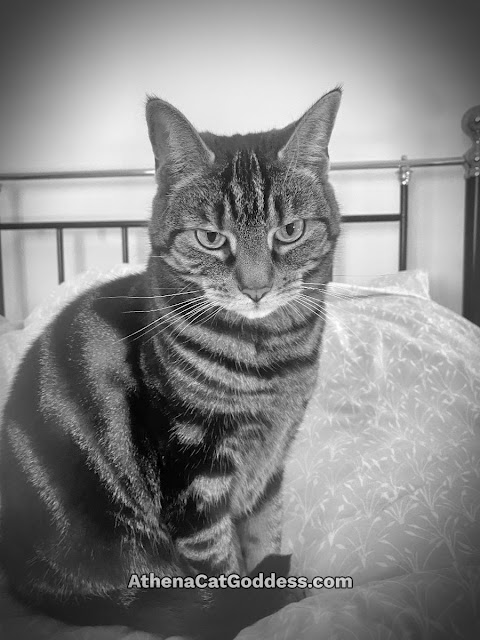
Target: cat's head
(247,219)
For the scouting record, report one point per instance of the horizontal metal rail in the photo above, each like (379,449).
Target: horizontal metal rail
(120,224)
(74,175)
(139,173)
(74,224)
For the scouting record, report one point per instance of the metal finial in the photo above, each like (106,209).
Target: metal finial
(471,126)
(404,171)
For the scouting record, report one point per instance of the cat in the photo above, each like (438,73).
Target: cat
(148,426)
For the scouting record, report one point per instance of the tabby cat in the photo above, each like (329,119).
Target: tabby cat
(147,428)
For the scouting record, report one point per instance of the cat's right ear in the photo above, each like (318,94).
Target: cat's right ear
(307,147)
(176,145)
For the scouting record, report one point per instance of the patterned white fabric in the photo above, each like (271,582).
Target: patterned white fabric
(383,483)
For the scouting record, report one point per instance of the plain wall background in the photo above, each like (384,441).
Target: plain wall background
(74,78)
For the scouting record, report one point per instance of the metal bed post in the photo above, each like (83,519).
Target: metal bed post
(2,296)
(60,256)
(404,175)
(471,251)
(125,244)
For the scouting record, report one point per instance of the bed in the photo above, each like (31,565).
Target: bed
(383,483)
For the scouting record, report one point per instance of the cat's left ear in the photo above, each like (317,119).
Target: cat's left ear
(176,144)
(308,144)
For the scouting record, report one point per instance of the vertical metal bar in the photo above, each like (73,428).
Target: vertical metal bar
(404,175)
(2,295)
(125,244)
(471,251)
(60,256)
(471,248)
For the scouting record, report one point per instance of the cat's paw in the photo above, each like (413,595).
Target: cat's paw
(273,563)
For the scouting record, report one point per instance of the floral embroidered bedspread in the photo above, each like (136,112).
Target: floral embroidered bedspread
(383,483)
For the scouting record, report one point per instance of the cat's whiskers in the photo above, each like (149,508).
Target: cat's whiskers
(297,312)
(169,306)
(324,294)
(164,318)
(309,304)
(326,289)
(196,317)
(187,318)
(331,312)
(156,296)
(186,366)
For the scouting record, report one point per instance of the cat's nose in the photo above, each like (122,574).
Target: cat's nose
(256,294)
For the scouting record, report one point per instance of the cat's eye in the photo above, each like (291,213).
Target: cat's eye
(210,239)
(291,232)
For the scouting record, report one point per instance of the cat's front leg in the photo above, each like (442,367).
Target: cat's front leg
(260,531)
(214,549)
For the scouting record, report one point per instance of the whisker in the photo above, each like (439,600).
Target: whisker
(190,317)
(168,306)
(319,313)
(362,275)
(175,288)
(189,366)
(323,290)
(290,305)
(144,330)
(326,292)
(187,318)
(166,295)
(212,315)
(165,323)
(310,304)
(297,311)
(197,313)
(306,304)
(337,319)
(354,291)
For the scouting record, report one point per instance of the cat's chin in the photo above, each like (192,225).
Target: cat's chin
(254,314)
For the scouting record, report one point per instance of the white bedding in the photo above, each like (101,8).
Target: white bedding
(383,483)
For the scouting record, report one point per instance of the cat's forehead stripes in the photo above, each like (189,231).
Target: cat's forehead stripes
(247,187)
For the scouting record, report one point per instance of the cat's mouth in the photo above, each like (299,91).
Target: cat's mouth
(244,306)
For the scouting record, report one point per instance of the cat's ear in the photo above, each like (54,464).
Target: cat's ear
(308,145)
(175,142)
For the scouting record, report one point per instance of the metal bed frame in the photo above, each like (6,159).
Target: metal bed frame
(471,162)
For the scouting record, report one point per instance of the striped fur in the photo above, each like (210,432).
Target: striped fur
(148,426)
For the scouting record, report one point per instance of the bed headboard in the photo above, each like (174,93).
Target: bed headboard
(404,166)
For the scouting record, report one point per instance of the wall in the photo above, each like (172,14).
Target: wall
(74,78)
